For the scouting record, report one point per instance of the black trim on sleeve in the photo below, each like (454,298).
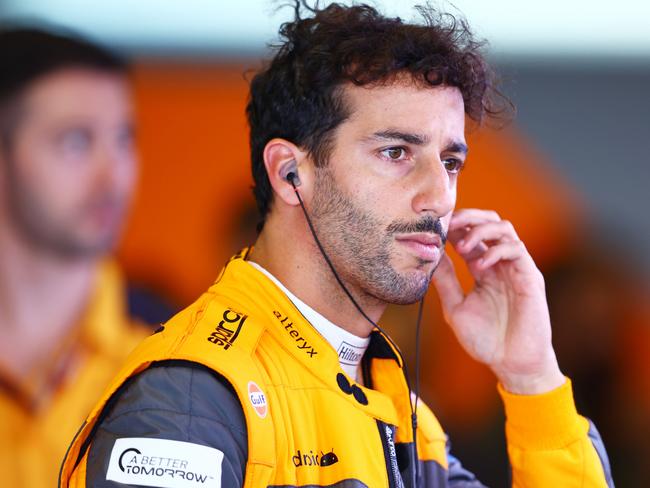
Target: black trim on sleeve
(173,400)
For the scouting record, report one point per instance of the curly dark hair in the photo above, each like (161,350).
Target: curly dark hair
(298,95)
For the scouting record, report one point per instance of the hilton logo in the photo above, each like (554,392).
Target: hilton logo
(349,354)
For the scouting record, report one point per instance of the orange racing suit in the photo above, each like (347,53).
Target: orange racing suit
(240,390)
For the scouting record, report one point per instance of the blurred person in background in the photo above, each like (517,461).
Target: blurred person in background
(67,174)
(276,376)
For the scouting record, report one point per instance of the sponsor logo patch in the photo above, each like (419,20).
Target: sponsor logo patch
(350,354)
(323,459)
(257,399)
(392,454)
(164,463)
(226,332)
(301,342)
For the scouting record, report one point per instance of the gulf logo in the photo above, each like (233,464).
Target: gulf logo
(257,399)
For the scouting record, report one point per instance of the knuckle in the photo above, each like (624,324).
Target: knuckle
(474,233)
(539,279)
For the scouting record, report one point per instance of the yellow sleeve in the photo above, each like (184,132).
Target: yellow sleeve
(548,442)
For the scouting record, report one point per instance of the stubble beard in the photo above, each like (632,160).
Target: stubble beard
(43,231)
(360,245)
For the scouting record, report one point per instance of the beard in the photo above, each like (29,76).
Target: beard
(361,246)
(43,228)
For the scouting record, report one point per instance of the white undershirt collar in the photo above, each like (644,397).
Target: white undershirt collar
(349,347)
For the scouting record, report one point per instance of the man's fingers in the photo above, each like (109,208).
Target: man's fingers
(470,253)
(449,290)
(473,232)
(489,232)
(507,251)
(472,216)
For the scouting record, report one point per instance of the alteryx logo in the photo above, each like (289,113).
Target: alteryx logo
(295,335)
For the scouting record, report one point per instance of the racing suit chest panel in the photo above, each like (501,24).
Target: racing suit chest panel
(326,426)
(321,436)
(308,423)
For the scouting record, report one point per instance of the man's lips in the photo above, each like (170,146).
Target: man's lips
(426,246)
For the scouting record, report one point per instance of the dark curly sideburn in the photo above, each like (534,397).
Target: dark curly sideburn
(297,96)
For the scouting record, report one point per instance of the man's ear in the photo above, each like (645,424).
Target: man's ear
(284,163)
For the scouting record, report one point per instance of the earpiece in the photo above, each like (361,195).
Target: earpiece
(290,173)
(293,178)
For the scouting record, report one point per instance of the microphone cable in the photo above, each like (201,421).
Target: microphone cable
(413,404)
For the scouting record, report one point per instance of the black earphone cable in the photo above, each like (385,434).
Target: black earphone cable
(414,423)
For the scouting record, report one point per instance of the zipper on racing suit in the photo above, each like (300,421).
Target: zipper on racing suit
(387,435)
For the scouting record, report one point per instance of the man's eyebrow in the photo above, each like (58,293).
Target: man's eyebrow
(408,137)
(416,139)
(457,147)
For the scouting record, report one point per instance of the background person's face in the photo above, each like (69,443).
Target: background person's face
(71,166)
(388,190)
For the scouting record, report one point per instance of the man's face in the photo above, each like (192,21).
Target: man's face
(383,201)
(70,169)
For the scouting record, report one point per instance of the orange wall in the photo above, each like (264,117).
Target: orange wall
(194,174)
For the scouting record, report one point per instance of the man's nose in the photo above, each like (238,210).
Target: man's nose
(116,166)
(436,190)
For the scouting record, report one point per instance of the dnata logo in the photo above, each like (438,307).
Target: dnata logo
(257,399)
(323,459)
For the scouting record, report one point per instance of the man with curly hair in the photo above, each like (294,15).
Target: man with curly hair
(279,374)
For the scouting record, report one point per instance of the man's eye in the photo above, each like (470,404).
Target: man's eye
(453,165)
(394,153)
(125,137)
(76,141)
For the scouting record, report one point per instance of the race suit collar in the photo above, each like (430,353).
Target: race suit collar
(349,347)
(271,316)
